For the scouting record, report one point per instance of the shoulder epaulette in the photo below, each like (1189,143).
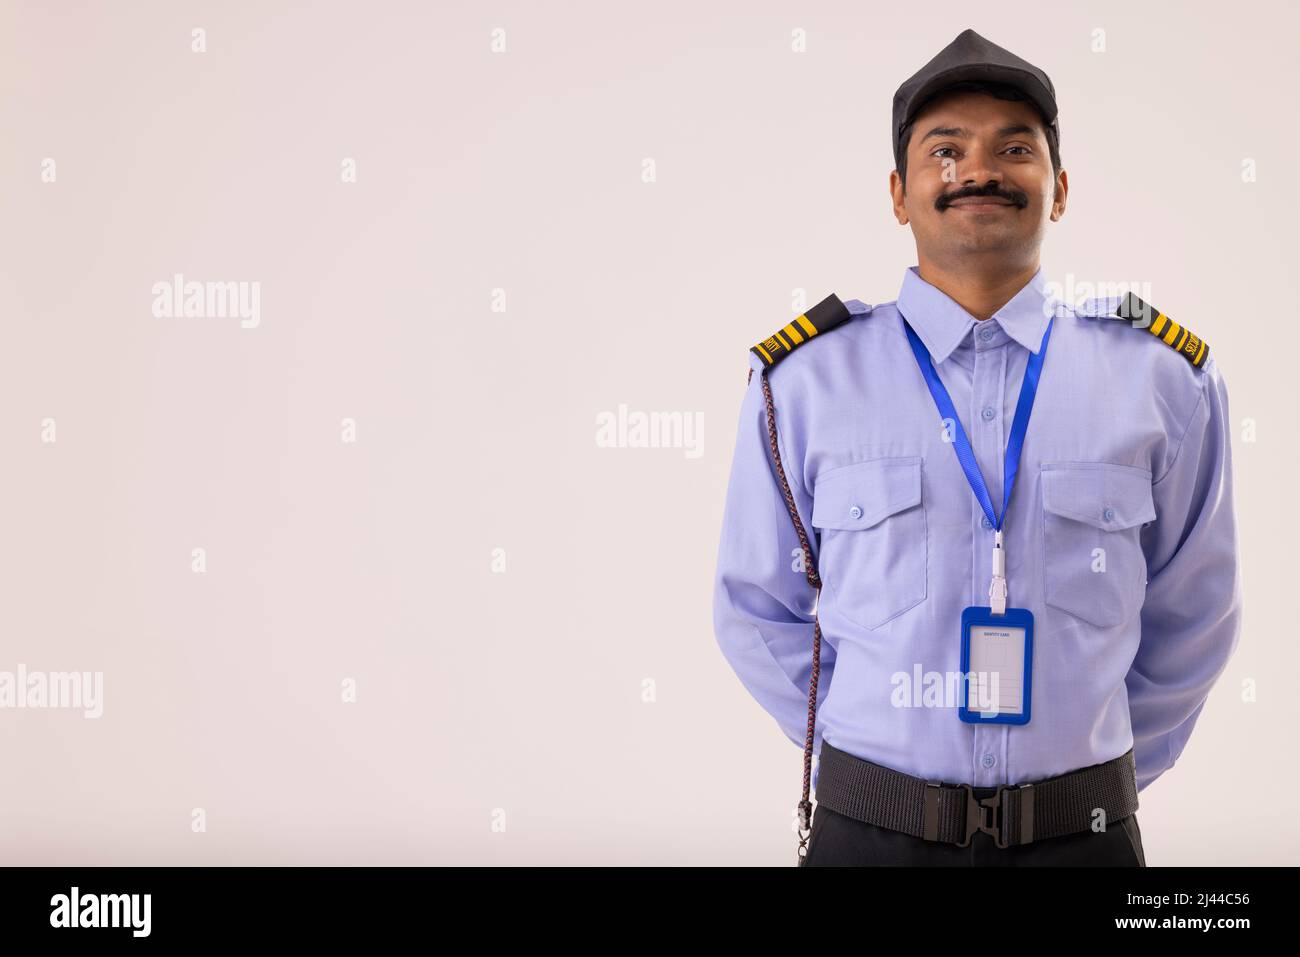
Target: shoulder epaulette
(823,317)
(1133,310)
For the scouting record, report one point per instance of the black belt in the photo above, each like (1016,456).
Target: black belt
(1013,814)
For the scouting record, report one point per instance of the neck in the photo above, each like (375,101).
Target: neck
(979,288)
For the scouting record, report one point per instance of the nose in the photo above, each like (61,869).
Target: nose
(979,167)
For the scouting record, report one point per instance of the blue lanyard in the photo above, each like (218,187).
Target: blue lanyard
(1019,424)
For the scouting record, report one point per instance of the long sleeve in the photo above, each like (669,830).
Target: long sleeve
(763,604)
(1192,613)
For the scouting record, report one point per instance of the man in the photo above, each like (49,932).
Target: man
(1001,673)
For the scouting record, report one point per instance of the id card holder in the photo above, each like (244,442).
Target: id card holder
(996,665)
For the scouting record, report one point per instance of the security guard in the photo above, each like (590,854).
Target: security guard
(1009,518)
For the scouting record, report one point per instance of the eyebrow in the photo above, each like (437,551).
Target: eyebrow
(961,131)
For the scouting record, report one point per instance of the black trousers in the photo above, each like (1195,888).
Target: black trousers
(837,840)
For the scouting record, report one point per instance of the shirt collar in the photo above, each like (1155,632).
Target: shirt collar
(942,324)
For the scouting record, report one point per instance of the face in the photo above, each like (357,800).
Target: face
(979,180)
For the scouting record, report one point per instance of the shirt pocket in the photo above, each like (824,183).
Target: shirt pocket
(1093,564)
(873,537)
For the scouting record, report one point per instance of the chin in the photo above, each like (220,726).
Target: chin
(987,243)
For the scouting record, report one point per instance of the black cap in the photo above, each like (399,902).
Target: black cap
(971,57)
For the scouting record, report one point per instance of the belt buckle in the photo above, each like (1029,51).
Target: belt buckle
(975,815)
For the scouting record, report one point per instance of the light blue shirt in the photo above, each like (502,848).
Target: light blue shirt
(1120,537)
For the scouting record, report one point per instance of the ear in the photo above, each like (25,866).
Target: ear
(1059,195)
(896,195)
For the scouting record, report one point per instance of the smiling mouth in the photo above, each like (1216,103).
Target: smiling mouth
(979,203)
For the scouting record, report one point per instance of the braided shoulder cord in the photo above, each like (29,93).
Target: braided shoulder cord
(805,805)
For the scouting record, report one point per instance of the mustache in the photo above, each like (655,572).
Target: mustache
(1014,197)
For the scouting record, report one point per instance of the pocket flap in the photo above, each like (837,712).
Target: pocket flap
(1108,497)
(862,494)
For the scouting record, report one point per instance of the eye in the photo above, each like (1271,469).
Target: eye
(940,149)
(1025,148)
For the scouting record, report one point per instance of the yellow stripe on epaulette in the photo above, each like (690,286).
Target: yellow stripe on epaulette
(1179,338)
(823,317)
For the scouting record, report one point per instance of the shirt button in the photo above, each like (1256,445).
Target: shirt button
(986,334)
(855,512)
(987,413)
(985,522)
(1108,515)
(988,761)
